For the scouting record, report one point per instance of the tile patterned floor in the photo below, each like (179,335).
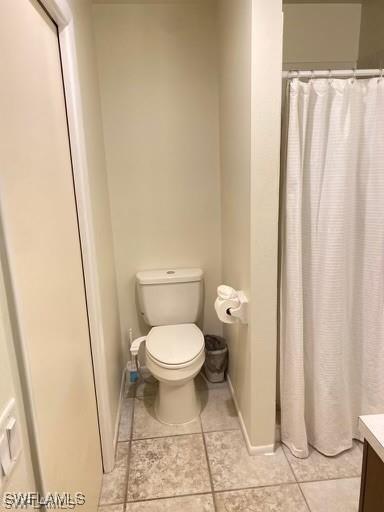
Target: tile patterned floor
(204,466)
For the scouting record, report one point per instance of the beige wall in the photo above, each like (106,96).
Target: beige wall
(159,91)
(82,13)
(168,174)
(250,85)
(371,51)
(267,42)
(235,143)
(321,34)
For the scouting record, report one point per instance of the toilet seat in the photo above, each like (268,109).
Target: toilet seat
(175,346)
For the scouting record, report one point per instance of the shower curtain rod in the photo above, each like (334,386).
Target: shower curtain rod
(334,73)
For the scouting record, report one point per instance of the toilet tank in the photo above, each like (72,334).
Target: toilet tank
(170,296)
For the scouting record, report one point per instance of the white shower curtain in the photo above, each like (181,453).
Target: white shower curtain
(332,280)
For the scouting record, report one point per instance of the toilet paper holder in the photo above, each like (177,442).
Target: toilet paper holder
(239,312)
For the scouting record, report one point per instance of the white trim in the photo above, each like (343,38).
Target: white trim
(61,13)
(22,354)
(268,449)
(118,415)
(278,433)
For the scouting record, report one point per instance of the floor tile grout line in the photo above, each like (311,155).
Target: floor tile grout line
(184,434)
(110,504)
(277,484)
(218,491)
(221,430)
(318,480)
(208,493)
(169,497)
(255,488)
(295,477)
(166,437)
(203,390)
(208,466)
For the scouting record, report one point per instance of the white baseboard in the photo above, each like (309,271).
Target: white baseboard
(117,422)
(278,433)
(268,449)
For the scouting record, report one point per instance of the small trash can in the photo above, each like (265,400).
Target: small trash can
(216,358)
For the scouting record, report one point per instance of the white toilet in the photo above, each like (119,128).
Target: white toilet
(170,301)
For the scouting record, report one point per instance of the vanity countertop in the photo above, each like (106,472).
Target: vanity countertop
(372,428)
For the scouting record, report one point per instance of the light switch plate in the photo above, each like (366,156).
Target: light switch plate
(5,457)
(12,431)
(10,443)
(8,411)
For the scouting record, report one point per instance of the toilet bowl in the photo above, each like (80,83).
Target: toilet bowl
(174,356)
(170,301)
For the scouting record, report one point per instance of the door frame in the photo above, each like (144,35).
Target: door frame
(61,13)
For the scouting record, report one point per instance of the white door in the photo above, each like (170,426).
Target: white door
(22,477)
(40,221)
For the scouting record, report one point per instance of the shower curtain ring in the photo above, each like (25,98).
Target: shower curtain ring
(312,75)
(354,75)
(292,77)
(381,75)
(330,76)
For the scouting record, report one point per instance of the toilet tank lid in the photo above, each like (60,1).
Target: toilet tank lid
(169,275)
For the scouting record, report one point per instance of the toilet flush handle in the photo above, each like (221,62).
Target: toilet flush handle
(135,345)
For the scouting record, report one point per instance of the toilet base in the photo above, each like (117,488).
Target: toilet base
(177,404)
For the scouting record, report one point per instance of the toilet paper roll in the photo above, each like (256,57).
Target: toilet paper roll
(222,306)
